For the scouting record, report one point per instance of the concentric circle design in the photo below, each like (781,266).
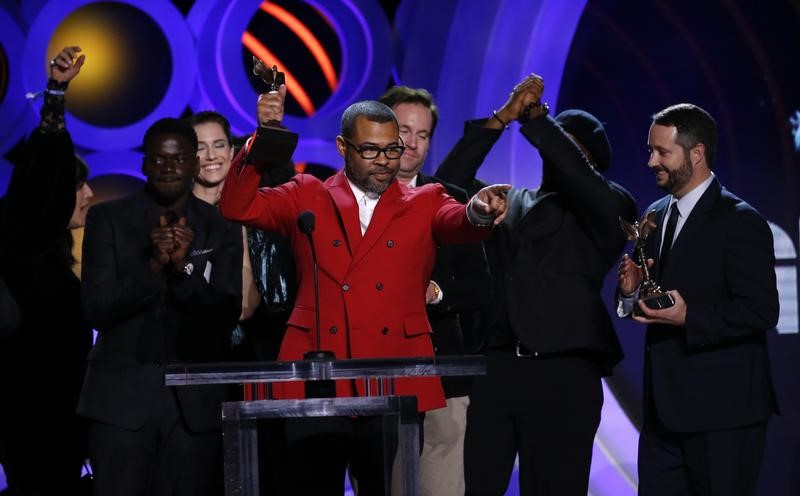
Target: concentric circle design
(5,174)
(12,100)
(299,39)
(123,44)
(363,33)
(124,162)
(181,70)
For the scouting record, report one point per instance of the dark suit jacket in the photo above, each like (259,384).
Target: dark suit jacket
(51,344)
(550,256)
(462,273)
(714,373)
(146,320)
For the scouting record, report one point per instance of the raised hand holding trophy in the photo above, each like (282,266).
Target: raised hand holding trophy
(273,144)
(649,291)
(273,78)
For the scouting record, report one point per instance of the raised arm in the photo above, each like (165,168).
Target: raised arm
(461,165)
(242,201)
(40,197)
(596,202)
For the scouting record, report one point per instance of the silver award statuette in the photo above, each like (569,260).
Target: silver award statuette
(271,77)
(649,292)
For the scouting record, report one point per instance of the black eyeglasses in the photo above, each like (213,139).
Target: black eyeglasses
(369,152)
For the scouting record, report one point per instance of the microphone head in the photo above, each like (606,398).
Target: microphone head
(306,221)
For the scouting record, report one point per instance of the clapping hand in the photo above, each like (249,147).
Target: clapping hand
(183,236)
(171,242)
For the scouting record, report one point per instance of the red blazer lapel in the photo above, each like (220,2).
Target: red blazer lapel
(346,205)
(385,210)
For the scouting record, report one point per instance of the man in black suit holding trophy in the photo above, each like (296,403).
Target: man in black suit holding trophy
(708,388)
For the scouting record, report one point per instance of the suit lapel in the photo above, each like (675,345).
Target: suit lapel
(692,227)
(661,219)
(347,208)
(653,244)
(138,222)
(195,220)
(387,206)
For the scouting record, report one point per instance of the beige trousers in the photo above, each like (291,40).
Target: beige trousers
(442,460)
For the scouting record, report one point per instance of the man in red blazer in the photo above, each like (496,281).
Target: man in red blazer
(375,242)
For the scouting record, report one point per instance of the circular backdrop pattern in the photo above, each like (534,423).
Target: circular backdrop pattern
(364,37)
(12,98)
(179,65)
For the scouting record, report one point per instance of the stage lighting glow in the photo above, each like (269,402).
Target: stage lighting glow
(127,55)
(156,67)
(308,38)
(12,105)
(4,76)
(795,123)
(292,84)
(100,45)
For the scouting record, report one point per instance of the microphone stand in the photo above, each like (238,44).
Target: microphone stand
(320,388)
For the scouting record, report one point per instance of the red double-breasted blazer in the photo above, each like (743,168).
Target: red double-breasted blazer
(372,287)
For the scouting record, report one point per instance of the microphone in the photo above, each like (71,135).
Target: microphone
(306,222)
(323,388)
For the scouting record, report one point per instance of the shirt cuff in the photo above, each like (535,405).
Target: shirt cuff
(625,303)
(478,219)
(439,294)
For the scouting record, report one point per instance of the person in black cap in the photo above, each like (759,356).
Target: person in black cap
(549,336)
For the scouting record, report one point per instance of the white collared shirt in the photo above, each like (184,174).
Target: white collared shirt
(367,201)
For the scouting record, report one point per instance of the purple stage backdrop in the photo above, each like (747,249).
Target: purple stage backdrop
(620,60)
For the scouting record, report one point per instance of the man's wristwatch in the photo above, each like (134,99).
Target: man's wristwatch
(525,115)
(436,291)
(188,268)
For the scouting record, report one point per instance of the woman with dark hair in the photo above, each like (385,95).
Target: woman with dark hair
(268,265)
(42,441)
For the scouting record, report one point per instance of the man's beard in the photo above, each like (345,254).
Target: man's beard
(677,179)
(362,178)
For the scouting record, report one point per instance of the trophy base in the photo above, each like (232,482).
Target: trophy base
(655,301)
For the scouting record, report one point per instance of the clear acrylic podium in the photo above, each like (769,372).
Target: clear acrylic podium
(239,418)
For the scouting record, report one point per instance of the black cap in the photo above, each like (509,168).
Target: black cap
(590,132)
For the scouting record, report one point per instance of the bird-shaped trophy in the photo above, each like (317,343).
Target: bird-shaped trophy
(268,144)
(273,78)
(649,291)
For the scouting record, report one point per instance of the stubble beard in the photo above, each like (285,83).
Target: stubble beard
(677,179)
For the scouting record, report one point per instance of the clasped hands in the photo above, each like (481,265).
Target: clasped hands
(524,101)
(171,243)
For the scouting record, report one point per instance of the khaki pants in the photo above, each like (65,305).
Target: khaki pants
(442,460)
